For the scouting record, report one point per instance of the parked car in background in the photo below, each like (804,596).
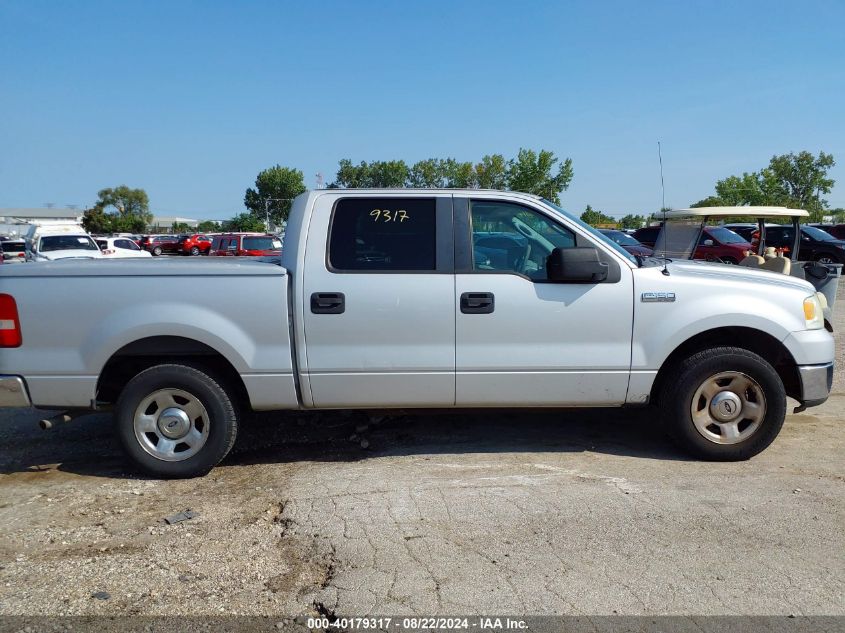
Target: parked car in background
(628,242)
(717,243)
(49,242)
(720,244)
(836,230)
(195,244)
(647,235)
(13,250)
(245,245)
(159,244)
(816,245)
(746,229)
(120,247)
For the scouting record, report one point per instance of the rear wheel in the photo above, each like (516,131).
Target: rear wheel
(195,250)
(157,250)
(723,404)
(176,420)
(827,258)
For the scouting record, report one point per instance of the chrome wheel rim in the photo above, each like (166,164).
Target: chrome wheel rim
(825,259)
(171,425)
(728,407)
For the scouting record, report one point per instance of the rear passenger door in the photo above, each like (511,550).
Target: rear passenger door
(379,302)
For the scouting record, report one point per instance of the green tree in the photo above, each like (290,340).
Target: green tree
(130,224)
(594,218)
(459,175)
(631,221)
(208,226)
(709,201)
(492,172)
(275,189)
(800,180)
(535,173)
(118,210)
(791,180)
(125,201)
(180,227)
(95,220)
(244,222)
(380,174)
(427,174)
(838,215)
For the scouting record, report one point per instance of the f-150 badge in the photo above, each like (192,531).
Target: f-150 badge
(658,297)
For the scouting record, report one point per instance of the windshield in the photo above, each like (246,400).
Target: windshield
(595,232)
(262,244)
(725,236)
(623,239)
(818,234)
(67,242)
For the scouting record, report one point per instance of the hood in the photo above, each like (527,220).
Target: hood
(65,254)
(696,268)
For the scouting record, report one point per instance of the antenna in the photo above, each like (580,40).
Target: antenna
(665,229)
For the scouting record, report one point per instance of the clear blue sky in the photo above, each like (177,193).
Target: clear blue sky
(189,100)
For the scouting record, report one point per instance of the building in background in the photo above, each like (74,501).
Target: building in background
(164,223)
(14,221)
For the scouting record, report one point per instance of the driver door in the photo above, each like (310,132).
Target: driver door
(522,340)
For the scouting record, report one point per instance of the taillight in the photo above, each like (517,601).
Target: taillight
(10,325)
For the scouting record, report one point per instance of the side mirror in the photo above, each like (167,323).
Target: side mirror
(707,242)
(576,264)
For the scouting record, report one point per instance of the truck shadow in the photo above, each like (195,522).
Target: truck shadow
(88,447)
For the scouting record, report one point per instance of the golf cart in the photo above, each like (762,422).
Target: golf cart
(683,231)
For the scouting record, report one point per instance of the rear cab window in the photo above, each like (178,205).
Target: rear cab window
(383,234)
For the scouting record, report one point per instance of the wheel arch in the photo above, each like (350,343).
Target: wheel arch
(143,353)
(753,340)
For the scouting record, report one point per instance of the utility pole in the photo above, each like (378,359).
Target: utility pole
(267,202)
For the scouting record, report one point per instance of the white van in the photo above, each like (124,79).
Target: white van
(51,241)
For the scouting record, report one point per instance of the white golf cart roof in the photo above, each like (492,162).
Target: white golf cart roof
(721,212)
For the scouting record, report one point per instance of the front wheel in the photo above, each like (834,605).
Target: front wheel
(157,250)
(176,420)
(723,404)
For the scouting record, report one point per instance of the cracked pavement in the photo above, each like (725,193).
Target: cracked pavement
(580,512)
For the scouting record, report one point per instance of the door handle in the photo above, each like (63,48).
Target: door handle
(477,302)
(328,303)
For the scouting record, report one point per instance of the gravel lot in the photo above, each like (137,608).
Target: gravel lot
(585,512)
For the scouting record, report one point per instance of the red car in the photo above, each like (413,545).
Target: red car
(716,243)
(245,245)
(196,244)
(158,244)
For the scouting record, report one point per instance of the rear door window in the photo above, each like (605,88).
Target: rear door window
(383,234)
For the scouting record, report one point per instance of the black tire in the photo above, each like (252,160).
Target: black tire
(157,250)
(676,400)
(729,260)
(827,258)
(195,250)
(211,393)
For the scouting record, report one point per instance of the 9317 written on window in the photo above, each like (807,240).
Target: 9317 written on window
(390,234)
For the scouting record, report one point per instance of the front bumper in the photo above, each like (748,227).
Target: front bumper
(816,381)
(13,392)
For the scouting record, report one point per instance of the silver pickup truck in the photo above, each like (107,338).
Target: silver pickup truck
(412,299)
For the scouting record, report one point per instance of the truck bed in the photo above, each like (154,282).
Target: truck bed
(76,315)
